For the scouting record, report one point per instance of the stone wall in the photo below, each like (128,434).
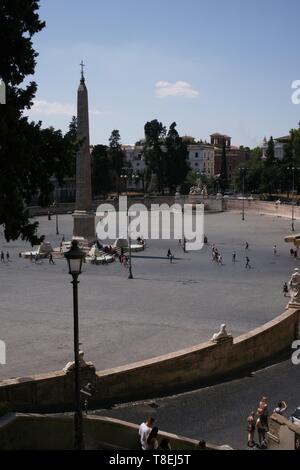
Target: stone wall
(27,432)
(212,204)
(197,365)
(261,207)
(283,434)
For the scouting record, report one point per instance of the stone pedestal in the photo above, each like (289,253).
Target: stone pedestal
(84,226)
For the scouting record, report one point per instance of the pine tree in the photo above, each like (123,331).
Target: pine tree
(223,175)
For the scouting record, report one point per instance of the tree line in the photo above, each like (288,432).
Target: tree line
(165,155)
(271,176)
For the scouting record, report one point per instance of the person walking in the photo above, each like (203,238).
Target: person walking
(247,263)
(251,429)
(169,254)
(246,246)
(275,250)
(296,254)
(51,259)
(291,252)
(2,257)
(234,257)
(7,257)
(285,289)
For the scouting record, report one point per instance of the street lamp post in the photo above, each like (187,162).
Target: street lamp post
(56,216)
(75,259)
(130,276)
(293,169)
(293,214)
(243,170)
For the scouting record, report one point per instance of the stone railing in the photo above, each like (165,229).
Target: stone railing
(28,432)
(162,375)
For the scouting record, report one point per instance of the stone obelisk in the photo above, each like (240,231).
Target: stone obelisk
(84,217)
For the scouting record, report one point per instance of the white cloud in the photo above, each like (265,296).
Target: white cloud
(178,88)
(47,108)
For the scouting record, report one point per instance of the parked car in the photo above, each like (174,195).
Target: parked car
(295,417)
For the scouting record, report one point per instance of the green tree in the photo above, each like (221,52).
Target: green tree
(270,181)
(252,173)
(101,178)
(29,155)
(116,157)
(154,153)
(176,167)
(71,137)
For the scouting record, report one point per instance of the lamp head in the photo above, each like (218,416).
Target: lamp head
(75,258)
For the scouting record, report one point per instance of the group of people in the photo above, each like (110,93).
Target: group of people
(259,422)
(148,438)
(217,257)
(3,257)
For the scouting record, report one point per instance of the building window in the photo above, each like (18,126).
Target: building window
(196,155)
(196,164)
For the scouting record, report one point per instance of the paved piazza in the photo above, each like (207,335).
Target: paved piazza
(165,308)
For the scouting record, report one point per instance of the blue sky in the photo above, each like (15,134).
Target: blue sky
(210,65)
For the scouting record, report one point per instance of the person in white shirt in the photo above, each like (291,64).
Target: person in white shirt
(144,432)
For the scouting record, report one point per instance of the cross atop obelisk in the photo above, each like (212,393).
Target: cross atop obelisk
(82,65)
(84,218)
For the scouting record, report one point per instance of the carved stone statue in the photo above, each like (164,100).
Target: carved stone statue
(82,364)
(204,191)
(222,335)
(294,285)
(196,190)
